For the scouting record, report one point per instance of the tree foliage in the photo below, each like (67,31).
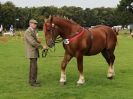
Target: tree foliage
(19,17)
(125,15)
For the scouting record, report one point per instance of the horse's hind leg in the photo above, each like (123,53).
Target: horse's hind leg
(110,57)
(64,63)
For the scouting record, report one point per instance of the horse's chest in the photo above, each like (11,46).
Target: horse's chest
(72,49)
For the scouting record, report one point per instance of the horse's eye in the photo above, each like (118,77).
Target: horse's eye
(48,30)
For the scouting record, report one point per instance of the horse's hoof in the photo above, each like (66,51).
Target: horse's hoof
(62,83)
(80,84)
(111,77)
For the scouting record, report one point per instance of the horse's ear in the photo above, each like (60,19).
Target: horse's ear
(51,18)
(45,20)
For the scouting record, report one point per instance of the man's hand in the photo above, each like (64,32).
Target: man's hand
(45,47)
(40,46)
(44,51)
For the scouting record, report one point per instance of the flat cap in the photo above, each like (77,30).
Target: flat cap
(33,21)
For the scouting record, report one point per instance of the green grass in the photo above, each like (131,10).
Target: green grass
(14,69)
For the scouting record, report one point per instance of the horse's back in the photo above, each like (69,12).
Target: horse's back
(104,36)
(111,37)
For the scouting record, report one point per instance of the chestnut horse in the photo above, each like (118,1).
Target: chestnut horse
(79,41)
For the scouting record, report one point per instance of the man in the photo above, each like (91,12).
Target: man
(32,50)
(11,30)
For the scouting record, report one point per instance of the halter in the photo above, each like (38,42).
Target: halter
(58,39)
(45,28)
(68,40)
(51,30)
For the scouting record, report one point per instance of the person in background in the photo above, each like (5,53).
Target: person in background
(11,29)
(1,29)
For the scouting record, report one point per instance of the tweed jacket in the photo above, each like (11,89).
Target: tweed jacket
(32,45)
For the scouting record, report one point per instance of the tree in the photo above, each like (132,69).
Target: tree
(0,12)
(125,16)
(8,14)
(88,17)
(123,4)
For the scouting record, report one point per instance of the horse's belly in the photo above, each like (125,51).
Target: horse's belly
(92,52)
(96,48)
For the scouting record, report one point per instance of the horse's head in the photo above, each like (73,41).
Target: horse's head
(51,32)
(55,25)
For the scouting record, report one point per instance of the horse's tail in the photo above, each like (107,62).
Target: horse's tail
(115,30)
(114,35)
(111,38)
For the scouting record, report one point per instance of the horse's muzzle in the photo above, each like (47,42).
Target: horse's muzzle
(51,44)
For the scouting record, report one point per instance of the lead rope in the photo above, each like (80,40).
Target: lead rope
(47,50)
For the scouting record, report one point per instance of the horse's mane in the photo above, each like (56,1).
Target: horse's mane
(66,19)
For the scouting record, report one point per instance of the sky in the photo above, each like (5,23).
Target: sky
(60,3)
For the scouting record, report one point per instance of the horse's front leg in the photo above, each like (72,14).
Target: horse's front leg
(80,69)
(67,58)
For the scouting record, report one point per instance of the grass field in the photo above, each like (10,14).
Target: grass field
(14,69)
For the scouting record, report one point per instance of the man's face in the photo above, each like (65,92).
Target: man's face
(33,25)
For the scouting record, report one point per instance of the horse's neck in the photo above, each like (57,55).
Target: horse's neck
(62,23)
(67,28)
